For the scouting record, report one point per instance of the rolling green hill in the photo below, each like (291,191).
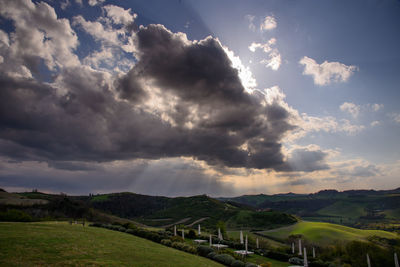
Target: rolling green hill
(260,220)
(326,233)
(15,199)
(61,244)
(146,210)
(359,208)
(188,210)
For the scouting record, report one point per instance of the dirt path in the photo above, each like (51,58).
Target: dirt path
(197,221)
(277,229)
(178,222)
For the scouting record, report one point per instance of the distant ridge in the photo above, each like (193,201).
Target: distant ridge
(350,207)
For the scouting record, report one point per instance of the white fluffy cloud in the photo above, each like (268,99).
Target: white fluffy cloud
(274,57)
(377,107)
(267,47)
(269,23)
(114,40)
(350,108)
(39,34)
(327,72)
(306,124)
(274,61)
(119,15)
(95,2)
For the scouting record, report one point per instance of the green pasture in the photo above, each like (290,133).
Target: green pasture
(326,233)
(61,244)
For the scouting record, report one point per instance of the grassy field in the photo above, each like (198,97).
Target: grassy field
(236,235)
(61,244)
(325,233)
(345,209)
(260,260)
(14,199)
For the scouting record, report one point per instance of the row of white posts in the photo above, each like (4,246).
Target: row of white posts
(241,239)
(301,252)
(396,260)
(183,231)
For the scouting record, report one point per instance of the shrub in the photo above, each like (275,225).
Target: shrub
(211,255)
(190,249)
(296,261)
(177,245)
(204,250)
(277,255)
(153,237)
(184,247)
(166,242)
(238,263)
(233,254)
(249,264)
(224,259)
(130,226)
(176,239)
(318,263)
(13,215)
(130,231)
(120,228)
(191,234)
(116,228)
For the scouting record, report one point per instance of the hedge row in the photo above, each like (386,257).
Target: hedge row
(153,236)
(13,215)
(228,260)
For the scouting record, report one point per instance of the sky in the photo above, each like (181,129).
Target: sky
(184,97)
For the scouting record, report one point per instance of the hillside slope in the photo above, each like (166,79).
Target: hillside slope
(163,211)
(146,210)
(326,233)
(352,207)
(61,244)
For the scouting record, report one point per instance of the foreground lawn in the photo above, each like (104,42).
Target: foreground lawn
(61,244)
(325,233)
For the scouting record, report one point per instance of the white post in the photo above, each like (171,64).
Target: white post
(300,252)
(368,261)
(292,247)
(210,241)
(305,258)
(396,260)
(313,252)
(183,234)
(174,230)
(199,230)
(241,237)
(257,245)
(246,245)
(219,234)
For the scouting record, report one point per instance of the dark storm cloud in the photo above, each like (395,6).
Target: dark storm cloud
(78,118)
(305,160)
(198,72)
(72,166)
